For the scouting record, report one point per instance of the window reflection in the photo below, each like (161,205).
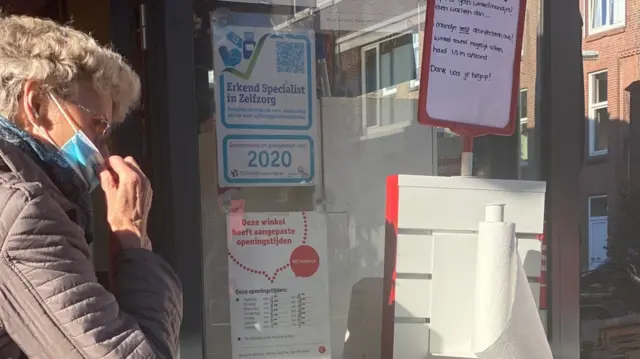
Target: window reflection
(609,293)
(597,231)
(367,131)
(523,122)
(598,113)
(389,71)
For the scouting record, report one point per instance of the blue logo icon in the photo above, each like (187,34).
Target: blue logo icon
(243,48)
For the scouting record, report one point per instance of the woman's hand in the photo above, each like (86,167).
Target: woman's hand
(128,195)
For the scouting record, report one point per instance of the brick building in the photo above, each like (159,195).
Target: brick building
(611,48)
(611,34)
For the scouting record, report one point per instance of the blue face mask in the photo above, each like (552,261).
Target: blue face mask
(81,154)
(84,158)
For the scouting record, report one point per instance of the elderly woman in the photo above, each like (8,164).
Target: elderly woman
(60,95)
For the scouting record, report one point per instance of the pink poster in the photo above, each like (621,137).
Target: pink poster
(279,287)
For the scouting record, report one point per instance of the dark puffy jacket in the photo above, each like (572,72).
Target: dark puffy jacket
(51,305)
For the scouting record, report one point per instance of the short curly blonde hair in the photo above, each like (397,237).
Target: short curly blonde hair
(57,57)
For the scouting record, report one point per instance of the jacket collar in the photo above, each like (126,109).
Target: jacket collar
(34,161)
(26,170)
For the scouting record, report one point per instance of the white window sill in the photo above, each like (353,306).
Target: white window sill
(593,154)
(383,131)
(389,91)
(601,29)
(321,4)
(598,219)
(414,85)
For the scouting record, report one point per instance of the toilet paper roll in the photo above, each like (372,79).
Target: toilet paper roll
(507,321)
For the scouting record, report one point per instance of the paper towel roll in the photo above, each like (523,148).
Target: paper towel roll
(507,322)
(495,281)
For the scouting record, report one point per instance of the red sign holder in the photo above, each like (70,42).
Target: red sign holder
(467,131)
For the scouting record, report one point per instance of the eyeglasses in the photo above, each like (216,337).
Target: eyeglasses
(100,123)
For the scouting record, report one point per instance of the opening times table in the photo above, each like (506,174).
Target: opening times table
(279,295)
(278,311)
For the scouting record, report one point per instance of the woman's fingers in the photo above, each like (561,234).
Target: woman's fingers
(131,161)
(134,165)
(127,170)
(107,181)
(129,199)
(119,166)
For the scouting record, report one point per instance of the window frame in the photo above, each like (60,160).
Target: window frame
(593,107)
(521,121)
(525,32)
(415,84)
(387,91)
(607,27)
(589,199)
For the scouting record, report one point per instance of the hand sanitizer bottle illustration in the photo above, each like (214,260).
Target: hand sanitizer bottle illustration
(248,45)
(235,39)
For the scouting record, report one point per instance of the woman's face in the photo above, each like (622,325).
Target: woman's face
(89,111)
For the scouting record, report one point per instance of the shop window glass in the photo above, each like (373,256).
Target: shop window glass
(610,201)
(365,97)
(368,131)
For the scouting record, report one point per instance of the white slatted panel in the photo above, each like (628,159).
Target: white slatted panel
(436,256)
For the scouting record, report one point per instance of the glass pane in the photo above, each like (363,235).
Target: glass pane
(371,71)
(598,206)
(524,149)
(387,114)
(598,256)
(371,110)
(397,61)
(600,84)
(598,10)
(522,110)
(404,65)
(262,285)
(618,11)
(386,64)
(609,224)
(604,11)
(404,110)
(601,129)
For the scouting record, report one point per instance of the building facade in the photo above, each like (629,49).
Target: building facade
(610,51)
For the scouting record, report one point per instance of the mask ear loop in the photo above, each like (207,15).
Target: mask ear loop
(63,112)
(40,128)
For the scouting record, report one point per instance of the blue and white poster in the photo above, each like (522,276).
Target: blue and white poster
(265,92)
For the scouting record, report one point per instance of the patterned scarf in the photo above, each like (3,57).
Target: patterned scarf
(48,158)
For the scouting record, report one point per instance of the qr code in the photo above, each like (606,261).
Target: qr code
(290,57)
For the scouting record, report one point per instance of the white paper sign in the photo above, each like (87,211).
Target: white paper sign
(471,68)
(254,158)
(279,295)
(265,92)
